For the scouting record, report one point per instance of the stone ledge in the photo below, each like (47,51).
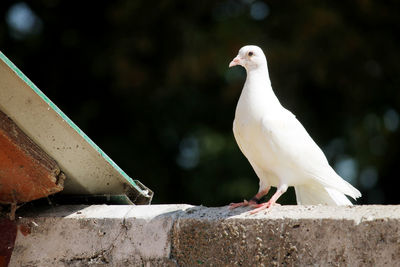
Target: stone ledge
(184,235)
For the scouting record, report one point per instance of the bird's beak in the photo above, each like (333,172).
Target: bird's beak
(235,62)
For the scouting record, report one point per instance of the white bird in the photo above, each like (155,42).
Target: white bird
(277,146)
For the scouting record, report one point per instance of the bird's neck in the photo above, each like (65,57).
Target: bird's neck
(258,89)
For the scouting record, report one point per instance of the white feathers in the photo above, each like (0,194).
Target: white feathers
(276,144)
(313,194)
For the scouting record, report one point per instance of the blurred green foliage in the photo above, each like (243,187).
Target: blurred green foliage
(149,83)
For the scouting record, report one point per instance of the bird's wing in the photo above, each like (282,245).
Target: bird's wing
(294,146)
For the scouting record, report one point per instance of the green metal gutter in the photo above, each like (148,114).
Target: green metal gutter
(89,170)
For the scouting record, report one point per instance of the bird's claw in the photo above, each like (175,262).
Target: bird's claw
(245,203)
(263,206)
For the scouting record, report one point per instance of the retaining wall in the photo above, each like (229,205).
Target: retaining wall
(184,235)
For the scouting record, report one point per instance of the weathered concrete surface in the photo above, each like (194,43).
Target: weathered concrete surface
(183,235)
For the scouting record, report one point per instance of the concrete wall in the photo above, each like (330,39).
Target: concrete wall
(183,235)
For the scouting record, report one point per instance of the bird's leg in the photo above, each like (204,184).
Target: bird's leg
(281,190)
(251,202)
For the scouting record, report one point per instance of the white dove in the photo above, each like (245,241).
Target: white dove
(277,146)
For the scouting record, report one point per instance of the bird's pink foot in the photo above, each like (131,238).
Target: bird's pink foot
(264,206)
(252,202)
(272,201)
(245,203)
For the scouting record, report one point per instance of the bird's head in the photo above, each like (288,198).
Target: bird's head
(250,57)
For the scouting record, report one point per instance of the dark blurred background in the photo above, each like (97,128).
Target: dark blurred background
(149,83)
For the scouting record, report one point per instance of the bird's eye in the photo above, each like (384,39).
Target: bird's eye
(250,54)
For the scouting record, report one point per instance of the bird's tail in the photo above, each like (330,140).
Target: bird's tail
(317,194)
